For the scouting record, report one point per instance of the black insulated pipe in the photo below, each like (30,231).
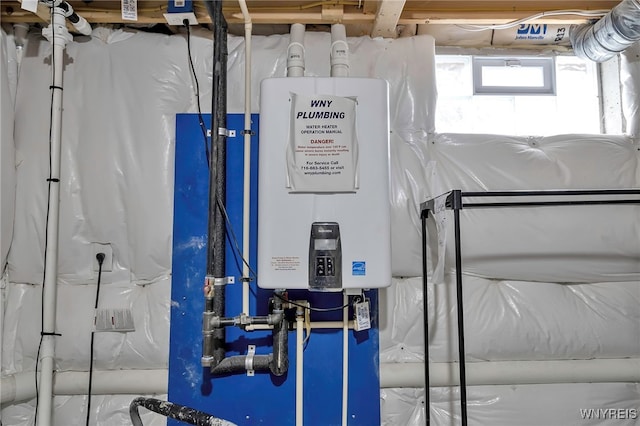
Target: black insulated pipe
(215,302)
(277,362)
(173,411)
(214,338)
(242,363)
(73,17)
(612,34)
(280,333)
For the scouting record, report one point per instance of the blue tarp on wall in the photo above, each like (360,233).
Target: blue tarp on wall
(262,399)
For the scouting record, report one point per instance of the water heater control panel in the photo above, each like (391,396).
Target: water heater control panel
(325,257)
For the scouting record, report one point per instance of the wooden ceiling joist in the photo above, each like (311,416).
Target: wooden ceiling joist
(387,18)
(382,16)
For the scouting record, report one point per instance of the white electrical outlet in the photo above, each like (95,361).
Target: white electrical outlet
(107,264)
(178,18)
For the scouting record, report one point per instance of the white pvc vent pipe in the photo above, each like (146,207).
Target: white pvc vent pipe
(58,36)
(411,375)
(295,51)
(612,34)
(339,51)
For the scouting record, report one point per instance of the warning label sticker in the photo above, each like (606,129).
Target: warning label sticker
(322,155)
(285,263)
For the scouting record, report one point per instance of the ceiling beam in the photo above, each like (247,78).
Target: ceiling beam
(387,17)
(360,13)
(332,13)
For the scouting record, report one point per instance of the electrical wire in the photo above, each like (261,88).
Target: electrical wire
(587,13)
(100,260)
(236,244)
(337,308)
(46,227)
(195,78)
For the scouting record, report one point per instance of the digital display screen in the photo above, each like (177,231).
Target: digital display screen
(325,244)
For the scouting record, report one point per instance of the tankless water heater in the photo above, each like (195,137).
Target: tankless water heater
(323,190)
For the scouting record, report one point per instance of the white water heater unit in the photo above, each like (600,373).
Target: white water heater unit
(323,203)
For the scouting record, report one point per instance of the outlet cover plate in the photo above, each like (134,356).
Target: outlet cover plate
(107,264)
(178,18)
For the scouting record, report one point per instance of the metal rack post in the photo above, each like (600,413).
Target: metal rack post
(455,201)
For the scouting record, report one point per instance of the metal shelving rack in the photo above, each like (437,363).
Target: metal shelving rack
(455,200)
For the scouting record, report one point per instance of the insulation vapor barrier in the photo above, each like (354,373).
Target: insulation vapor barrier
(117,189)
(520,244)
(512,320)
(8,81)
(117,179)
(524,405)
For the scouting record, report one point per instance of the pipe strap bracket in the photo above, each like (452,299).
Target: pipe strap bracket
(226,132)
(224,281)
(223,132)
(248,362)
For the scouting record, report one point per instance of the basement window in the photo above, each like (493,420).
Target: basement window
(523,96)
(513,76)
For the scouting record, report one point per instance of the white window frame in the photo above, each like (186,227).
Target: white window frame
(547,64)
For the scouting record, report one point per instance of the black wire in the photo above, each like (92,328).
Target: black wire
(93,333)
(195,78)
(236,245)
(46,226)
(337,308)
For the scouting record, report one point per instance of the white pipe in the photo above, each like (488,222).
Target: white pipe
(339,51)
(345,357)
(20,32)
(299,369)
(295,51)
(314,324)
(58,35)
(21,386)
(246,200)
(411,375)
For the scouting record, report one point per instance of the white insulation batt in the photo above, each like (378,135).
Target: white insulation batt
(8,76)
(122,90)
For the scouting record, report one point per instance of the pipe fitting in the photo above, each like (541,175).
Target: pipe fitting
(275,317)
(207,321)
